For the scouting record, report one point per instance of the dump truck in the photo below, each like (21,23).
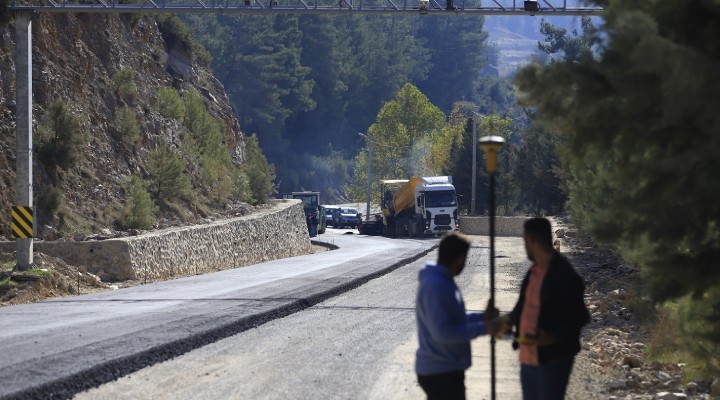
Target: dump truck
(311,205)
(418,206)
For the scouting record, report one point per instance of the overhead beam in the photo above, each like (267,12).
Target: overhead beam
(388,8)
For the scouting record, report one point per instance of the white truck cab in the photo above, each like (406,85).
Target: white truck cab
(436,201)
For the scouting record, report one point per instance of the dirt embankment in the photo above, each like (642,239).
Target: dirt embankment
(613,363)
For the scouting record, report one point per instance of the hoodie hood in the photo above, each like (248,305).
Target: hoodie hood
(433,271)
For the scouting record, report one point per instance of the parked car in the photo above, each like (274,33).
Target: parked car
(329,212)
(346,217)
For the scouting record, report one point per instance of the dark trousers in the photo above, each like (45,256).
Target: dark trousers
(445,386)
(547,381)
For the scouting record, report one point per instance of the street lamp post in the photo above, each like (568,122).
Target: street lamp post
(369,174)
(491,145)
(474,166)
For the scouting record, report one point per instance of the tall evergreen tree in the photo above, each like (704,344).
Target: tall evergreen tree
(460,167)
(640,131)
(458,51)
(537,171)
(261,72)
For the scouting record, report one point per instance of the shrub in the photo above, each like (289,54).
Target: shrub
(170,103)
(195,111)
(48,203)
(126,124)
(699,326)
(139,211)
(168,171)
(215,158)
(240,190)
(259,171)
(179,36)
(58,137)
(124,81)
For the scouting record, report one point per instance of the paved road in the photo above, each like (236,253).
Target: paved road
(57,348)
(358,345)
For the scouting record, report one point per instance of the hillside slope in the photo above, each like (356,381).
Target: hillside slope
(75,57)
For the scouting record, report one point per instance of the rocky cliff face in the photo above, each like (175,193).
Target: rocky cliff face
(75,57)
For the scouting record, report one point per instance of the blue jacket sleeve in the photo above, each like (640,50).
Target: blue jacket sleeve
(476,317)
(438,315)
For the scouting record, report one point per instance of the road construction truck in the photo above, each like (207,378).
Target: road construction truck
(311,205)
(417,206)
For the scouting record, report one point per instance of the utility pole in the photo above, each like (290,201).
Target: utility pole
(369,174)
(474,165)
(23,138)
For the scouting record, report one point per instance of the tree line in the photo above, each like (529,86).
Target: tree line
(307,85)
(413,137)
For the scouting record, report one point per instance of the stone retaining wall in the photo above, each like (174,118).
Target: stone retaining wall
(277,232)
(504,226)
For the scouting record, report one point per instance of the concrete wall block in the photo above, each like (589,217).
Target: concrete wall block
(278,232)
(269,235)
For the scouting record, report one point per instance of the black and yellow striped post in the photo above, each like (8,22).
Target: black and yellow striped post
(21,224)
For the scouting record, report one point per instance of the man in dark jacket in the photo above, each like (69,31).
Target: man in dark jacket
(444,328)
(548,316)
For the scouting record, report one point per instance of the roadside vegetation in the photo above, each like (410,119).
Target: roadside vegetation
(125,85)
(57,144)
(632,102)
(308,84)
(126,126)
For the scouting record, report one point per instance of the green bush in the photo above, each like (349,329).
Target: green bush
(215,158)
(139,211)
(126,124)
(260,173)
(195,112)
(48,203)
(179,36)
(216,162)
(168,171)
(124,81)
(699,324)
(58,138)
(240,190)
(170,103)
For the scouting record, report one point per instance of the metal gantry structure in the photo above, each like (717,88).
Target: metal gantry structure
(337,7)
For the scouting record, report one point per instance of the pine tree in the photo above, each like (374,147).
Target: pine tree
(639,129)
(139,211)
(59,137)
(168,172)
(259,172)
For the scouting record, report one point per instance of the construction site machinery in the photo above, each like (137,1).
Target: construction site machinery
(416,207)
(311,205)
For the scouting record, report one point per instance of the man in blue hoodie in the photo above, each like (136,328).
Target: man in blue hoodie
(444,328)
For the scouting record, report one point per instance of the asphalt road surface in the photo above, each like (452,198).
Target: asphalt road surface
(61,347)
(357,345)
